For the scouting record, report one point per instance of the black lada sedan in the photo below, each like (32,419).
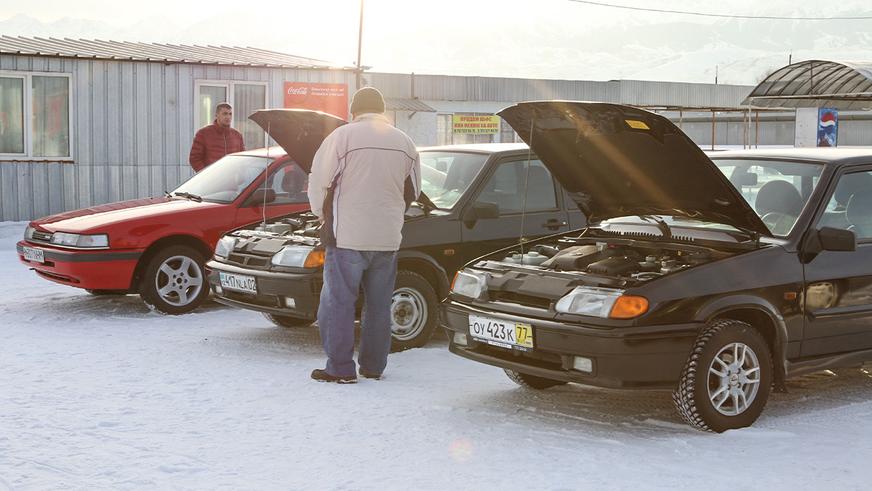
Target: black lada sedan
(716,278)
(473,196)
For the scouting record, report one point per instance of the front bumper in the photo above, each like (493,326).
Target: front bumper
(94,270)
(646,357)
(273,291)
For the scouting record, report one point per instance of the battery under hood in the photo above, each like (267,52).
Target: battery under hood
(616,160)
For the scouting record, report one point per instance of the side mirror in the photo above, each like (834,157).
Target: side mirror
(827,239)
(261,196)
(480,210)
(836,239)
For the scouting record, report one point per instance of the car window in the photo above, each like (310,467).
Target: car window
(225,179)
(445,176)
(850,206)
(777,190)
(290,183)
(514,182)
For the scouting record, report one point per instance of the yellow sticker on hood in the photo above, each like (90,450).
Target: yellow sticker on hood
(636,125)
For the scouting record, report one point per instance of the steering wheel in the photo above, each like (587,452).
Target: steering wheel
(779,223)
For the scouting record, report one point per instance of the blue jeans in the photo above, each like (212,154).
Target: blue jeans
(345,270)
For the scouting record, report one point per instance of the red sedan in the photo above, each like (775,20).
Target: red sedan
(157,247)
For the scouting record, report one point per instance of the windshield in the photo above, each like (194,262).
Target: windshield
(224,180)
(777,190)
(445,176)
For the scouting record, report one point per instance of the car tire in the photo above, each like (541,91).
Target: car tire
(287,321)
(727,378)
(105,293)
(532,381)
(174,281)
(414,311)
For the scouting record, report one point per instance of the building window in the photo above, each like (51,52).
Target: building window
(507,133)
(35,115)
(444,135)
(245,97)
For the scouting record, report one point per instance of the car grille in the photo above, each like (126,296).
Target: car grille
(249,260)
(533,358)
(260,300)
(40,236)
(519,298)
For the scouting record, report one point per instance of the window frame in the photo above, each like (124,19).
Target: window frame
(831,191)
(509,160)
(229,86)
(27,156)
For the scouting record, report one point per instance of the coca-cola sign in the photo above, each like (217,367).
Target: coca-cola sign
(328,98)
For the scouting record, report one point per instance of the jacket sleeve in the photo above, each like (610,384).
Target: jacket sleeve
(325,165)
(413,180)
(197,158)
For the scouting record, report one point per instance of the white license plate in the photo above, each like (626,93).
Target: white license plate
(34,255)
(505,334)
(238,282)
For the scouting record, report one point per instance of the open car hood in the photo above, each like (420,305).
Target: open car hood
(616,160)
(298,131)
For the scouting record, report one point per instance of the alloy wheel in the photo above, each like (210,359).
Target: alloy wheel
(179,281)
(733,379)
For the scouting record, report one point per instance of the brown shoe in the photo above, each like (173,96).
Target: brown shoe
(322,376)
(366,374)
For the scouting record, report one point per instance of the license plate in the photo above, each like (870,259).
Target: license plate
(505,334)
(238,282)
(34,255)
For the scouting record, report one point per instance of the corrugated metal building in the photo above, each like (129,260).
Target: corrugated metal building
(89,122)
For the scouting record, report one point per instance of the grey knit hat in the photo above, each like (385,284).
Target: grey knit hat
(367,100)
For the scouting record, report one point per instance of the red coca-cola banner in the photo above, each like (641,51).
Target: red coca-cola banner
(329,98)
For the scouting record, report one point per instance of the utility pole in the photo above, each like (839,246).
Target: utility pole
(359,46)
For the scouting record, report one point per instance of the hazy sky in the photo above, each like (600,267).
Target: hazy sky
(523,38)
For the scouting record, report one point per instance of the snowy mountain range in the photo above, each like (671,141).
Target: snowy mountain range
(675,48)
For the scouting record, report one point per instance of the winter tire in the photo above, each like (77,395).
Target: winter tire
(174,281)
(286,320)
(532,381)
(727,378)
(414,311)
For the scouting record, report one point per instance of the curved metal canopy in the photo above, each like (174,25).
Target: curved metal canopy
(816,83)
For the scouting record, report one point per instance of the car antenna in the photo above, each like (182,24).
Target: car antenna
(526,182)
(265,176)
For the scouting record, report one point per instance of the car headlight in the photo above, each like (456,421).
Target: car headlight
(225,246)
(28,232)
(602,302)
(299,257)
(79,240)
(469,283)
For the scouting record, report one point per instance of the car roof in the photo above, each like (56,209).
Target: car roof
(274,152)
(829,156)
(478,148)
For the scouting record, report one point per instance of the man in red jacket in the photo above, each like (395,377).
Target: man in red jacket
(216,140)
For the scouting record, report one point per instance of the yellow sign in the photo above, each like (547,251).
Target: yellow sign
(477,125)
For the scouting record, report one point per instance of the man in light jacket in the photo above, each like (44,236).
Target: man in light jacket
(364,176)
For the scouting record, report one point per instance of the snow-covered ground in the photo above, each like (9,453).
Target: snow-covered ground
(98,392)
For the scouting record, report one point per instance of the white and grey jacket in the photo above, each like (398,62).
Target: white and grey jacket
(363,178)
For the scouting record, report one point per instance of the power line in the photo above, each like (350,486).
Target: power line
(728,16)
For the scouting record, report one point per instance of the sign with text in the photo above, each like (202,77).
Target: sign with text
(328,98)
(477,125)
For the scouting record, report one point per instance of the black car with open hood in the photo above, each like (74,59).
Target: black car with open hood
(472,202)
(714,277)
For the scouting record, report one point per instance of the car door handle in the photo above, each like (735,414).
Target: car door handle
(554,224)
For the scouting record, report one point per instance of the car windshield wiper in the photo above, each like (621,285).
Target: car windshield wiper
(190,196)
(661,224)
